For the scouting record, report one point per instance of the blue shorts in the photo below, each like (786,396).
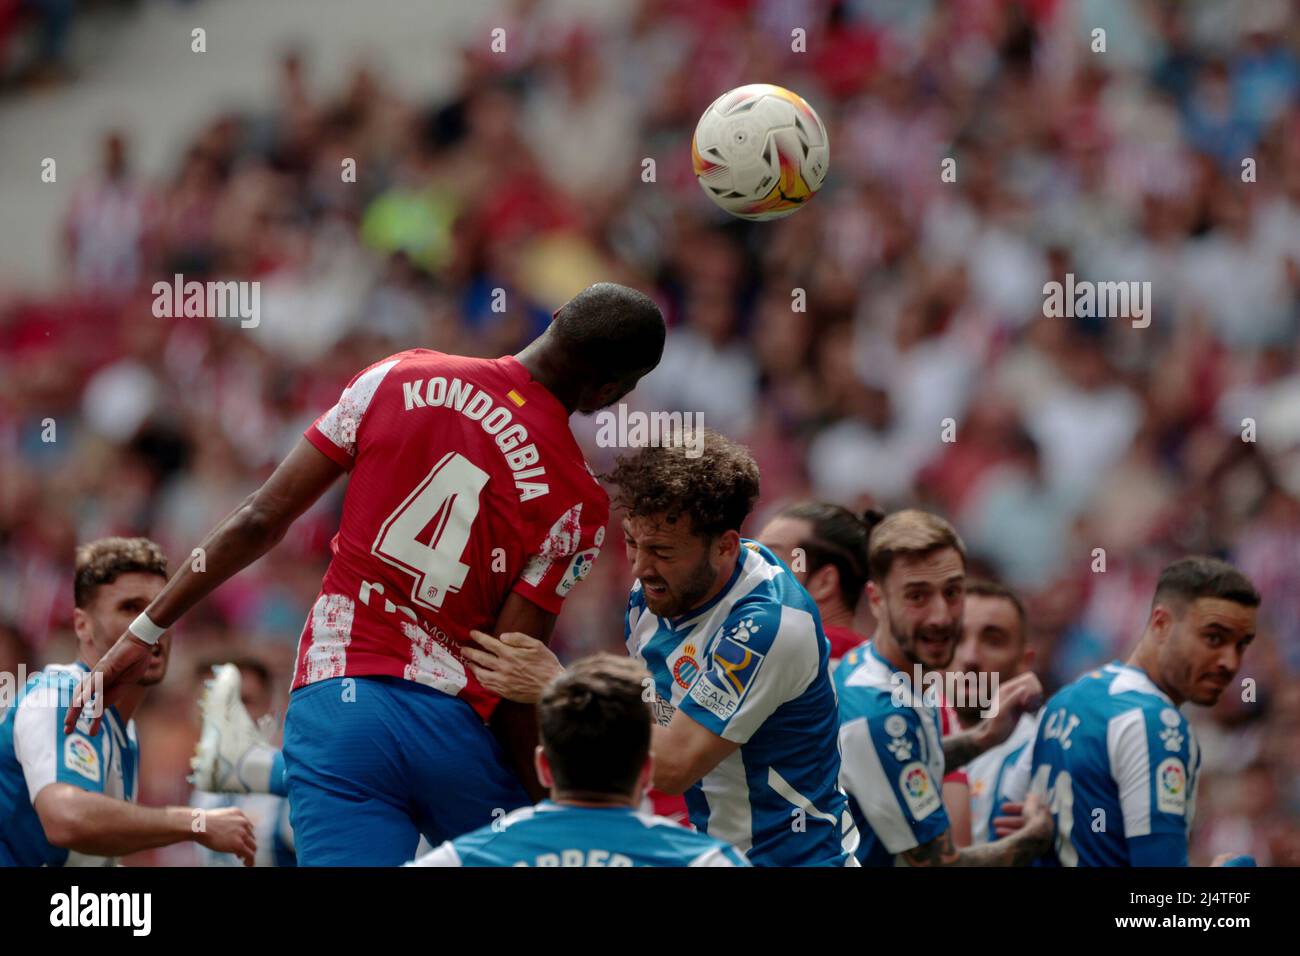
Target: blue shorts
(374,762)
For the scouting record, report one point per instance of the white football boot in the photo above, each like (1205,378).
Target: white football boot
(232,756)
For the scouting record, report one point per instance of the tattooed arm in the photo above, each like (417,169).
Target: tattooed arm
(960,749)
(1019,849)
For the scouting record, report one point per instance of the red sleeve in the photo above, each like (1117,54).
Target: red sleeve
(565,554)
(335,432)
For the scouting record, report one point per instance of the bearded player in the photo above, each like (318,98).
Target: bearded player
(1115,758)
(470,506)
(67,799)
(739,661)
(995,641)
(893,750)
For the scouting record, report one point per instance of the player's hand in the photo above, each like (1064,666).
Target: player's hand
(1020,695)
(227,830)
(1038,826)
(515,666)
(1012,819)
(114,674)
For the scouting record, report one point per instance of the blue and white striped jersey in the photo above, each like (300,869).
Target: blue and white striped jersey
(1118,765)
(552,834)
(35,752)
(891,744)
(1000,775)
(751,666)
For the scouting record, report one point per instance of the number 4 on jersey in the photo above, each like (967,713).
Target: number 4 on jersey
(427,534)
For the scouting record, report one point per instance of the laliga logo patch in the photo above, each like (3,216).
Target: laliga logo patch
(80,756)
(577,570)
(920,796)
(1171,786)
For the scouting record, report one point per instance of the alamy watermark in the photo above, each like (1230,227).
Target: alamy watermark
(208,300)
(637,429)
(1099,300)
(963,690)
(47,693)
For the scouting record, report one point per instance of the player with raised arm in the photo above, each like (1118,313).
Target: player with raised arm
(595,757)
(825,547)
(743,697)
(67,798)
(995,641)
(1116,760)
(469,506)
(891,744)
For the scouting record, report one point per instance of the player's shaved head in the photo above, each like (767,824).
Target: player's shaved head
(611,328)
(595,727)
(598,346)
(829,534)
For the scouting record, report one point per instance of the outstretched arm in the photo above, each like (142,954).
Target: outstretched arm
(99,825)
(249,531)
(246,534)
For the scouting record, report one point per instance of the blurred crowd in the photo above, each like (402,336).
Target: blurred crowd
(1087,452)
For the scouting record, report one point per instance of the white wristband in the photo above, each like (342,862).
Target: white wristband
(146,630)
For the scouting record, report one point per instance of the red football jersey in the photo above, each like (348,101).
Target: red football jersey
(466,484)
(843,639)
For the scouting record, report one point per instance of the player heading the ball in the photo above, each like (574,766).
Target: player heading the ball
(469,507)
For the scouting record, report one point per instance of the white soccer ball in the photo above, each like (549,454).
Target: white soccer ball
(760,151)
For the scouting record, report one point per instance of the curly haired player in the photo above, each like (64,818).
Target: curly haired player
(743,697)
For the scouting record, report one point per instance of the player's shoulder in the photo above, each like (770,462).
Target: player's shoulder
(1129,688)
(863,674)
(690,845)
(379,370)
(764,577)
(51,686)
(882,703)
(479,843)
(767,604)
